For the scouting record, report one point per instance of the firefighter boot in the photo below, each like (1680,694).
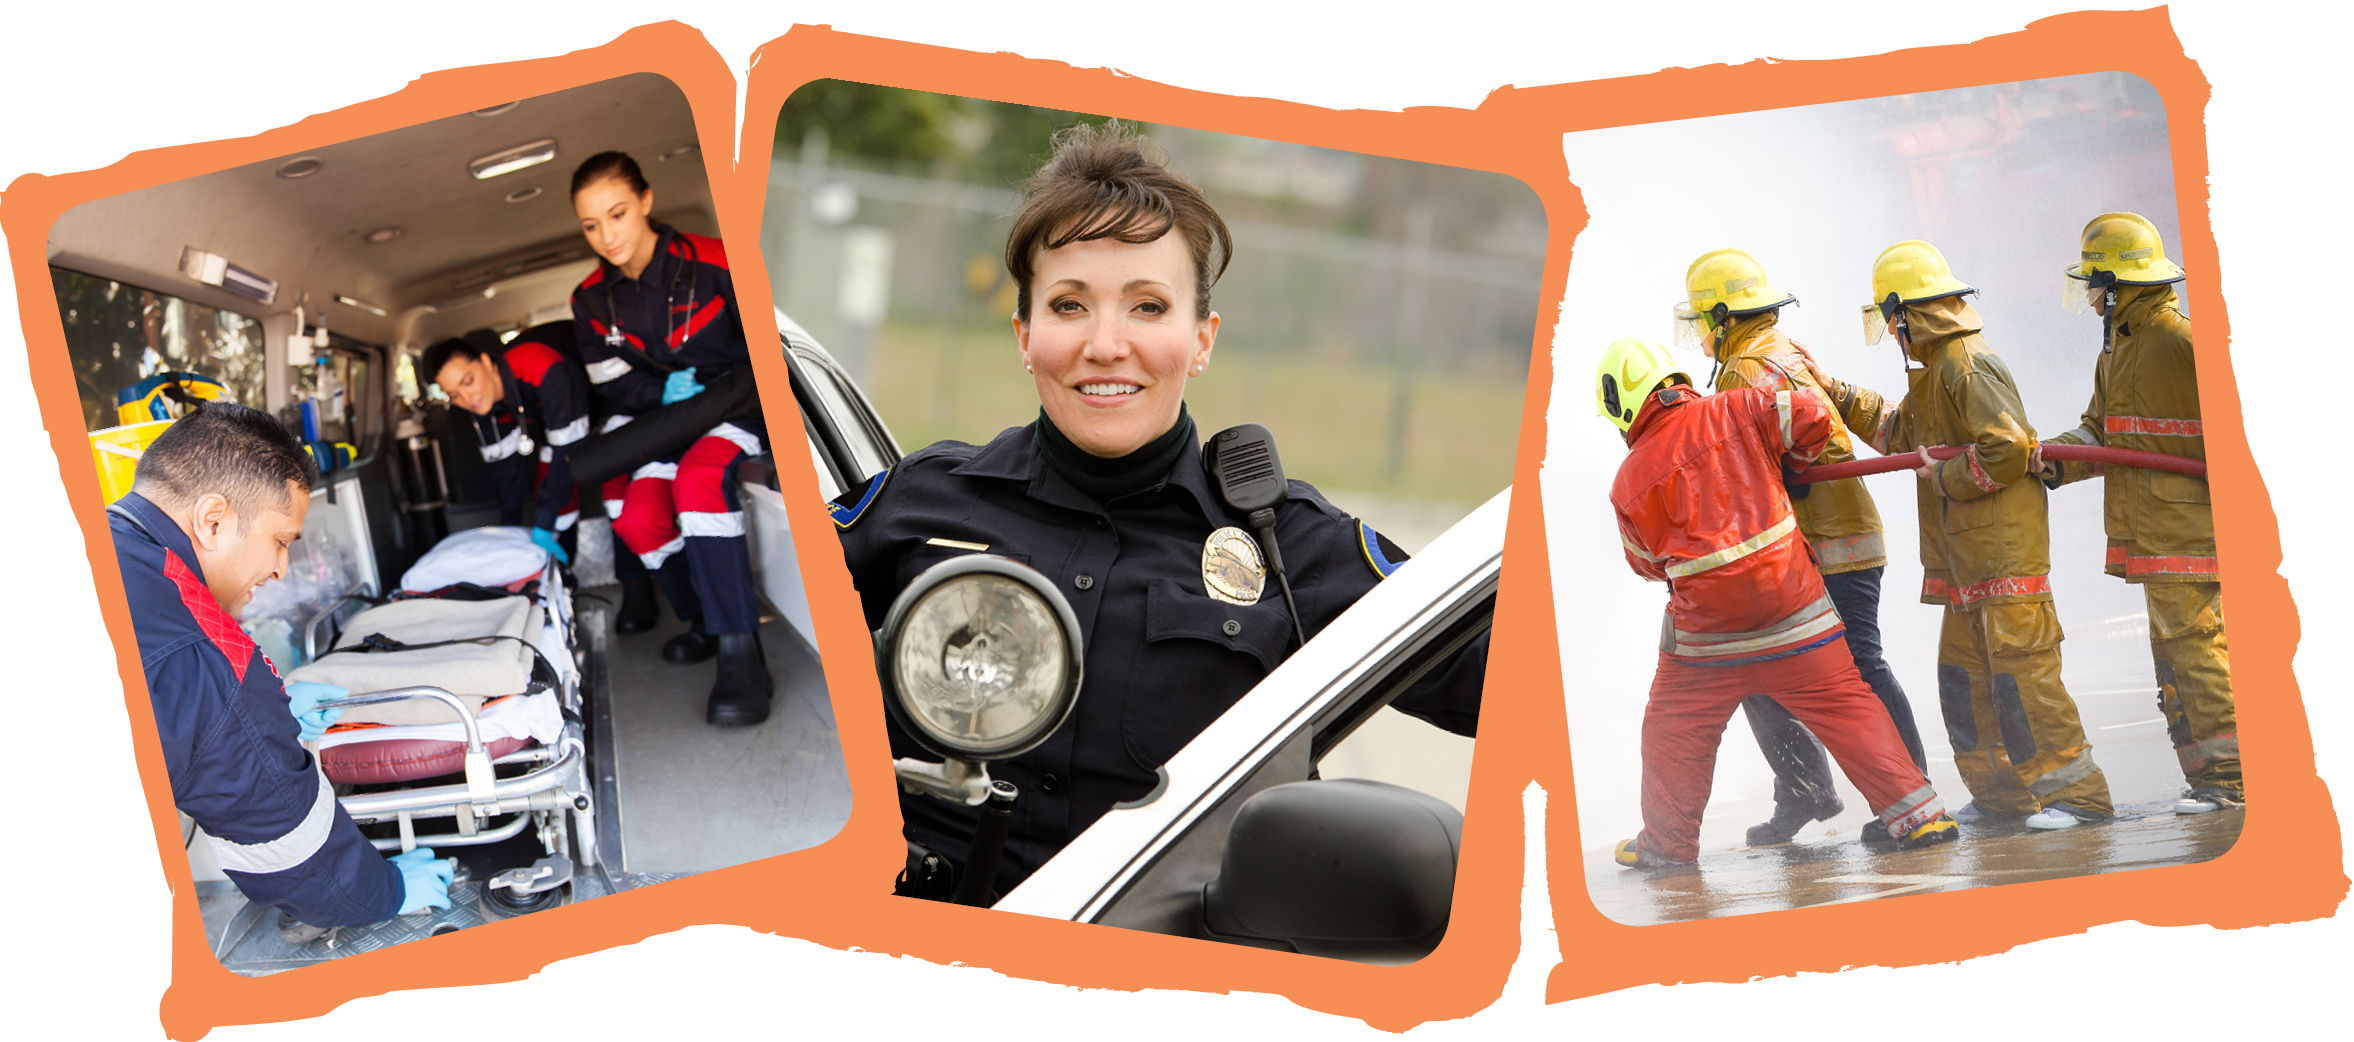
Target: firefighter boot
(741,697)
(1942,829)
(692,646)
(1790,817)
(1630,854)
(638,611)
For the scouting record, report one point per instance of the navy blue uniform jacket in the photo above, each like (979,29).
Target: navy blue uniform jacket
(230,741)
(680,311)
(1160,666)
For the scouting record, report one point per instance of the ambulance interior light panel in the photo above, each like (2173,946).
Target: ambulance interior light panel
(212,269)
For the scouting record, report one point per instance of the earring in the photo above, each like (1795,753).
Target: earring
(1026,367)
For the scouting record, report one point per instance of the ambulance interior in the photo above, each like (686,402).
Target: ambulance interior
(307,285)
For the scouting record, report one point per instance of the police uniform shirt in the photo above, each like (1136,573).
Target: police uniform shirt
(680,311)
(1163,659)
(547,402)
(231,745)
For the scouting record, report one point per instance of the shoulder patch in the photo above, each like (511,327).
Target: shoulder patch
(846,515)
(1370,541)
(706,249)
(531,360)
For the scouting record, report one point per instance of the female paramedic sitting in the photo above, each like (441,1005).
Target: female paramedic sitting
(1112,256)
(530,403)
(655,319)
(218,499)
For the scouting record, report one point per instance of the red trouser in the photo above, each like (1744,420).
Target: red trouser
(1687,714)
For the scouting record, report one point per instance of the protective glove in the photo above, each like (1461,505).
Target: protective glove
(546,540)
(304,696)
(680,387)
(1790,483)
(425,880)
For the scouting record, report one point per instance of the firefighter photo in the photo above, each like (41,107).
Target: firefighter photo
(2161,525)
(1731,311)
(1700,506)
(2018,740)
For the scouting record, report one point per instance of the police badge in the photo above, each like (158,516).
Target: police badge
(1232,569)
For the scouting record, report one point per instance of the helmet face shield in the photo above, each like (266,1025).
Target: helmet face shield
(2077,289)
(1875,325)
(1691,327)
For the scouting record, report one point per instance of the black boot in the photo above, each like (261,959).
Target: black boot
(638,611)
(692,646)
(1790,817)
(741,697)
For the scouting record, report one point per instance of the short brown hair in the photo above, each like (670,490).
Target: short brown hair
(244,454)
(1108,183)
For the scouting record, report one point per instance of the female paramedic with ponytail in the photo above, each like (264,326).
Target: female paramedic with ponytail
(1112,257)
(654,323)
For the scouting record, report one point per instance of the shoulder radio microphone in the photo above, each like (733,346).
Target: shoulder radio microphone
(1248,477)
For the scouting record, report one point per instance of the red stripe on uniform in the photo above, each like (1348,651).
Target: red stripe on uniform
(531,361)
(707,249)
(2116,555)
(2170,566)
(594,277)
(2162,428)
(215,623)
(2004,587)
(696,322)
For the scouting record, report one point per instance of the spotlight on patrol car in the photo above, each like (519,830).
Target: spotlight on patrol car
(980,658)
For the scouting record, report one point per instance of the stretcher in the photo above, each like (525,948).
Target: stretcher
(464,725)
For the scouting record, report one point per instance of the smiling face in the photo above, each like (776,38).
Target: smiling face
(239,554)
(473,384)
(618,223)
(1111,338)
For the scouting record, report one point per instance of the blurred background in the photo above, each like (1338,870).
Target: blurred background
(1378,315)
(2001,178)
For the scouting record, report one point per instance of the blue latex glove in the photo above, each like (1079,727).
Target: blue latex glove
(546,540)
(680,387)
(304,697)
(425,880)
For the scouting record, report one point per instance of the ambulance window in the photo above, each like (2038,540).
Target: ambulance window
(117,335)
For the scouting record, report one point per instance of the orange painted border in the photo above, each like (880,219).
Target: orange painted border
(2286,865)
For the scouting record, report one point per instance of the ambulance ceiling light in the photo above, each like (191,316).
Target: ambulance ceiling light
(680,152)
(360,304)
(524,195)
(212,269)
(382,235)
(513,159)
(496,110)
(304,167)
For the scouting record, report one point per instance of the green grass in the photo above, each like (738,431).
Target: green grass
(1331,415)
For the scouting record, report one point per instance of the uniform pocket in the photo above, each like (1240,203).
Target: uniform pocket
(1200,656)
(2178,488)
(1962,515)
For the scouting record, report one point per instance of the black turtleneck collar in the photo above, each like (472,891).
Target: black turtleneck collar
(1107,479)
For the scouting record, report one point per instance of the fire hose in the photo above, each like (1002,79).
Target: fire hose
(2061,451)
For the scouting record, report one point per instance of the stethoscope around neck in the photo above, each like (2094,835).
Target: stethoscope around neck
(613,336)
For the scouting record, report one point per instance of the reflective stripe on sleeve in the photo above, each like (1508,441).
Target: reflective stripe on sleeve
(287,851)
(504,447)
(569,433)
(567,520)
(614,423)
(2169,566)
(607,371)
(1634,549)
(1782,409)
(2003,587)
(2085,435)
(656,471)
(1918,808)
(2159,427)
(1737,551)
(1978,475)
(742,438)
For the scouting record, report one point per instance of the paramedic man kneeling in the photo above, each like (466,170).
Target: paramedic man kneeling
(219,498)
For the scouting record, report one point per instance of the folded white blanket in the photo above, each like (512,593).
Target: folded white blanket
(473,671)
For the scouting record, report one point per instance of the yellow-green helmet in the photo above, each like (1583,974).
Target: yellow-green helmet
(1631,369)
(1722,285)
(1907,273)
(2117,249)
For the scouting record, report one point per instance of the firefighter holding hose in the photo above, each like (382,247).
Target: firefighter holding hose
(1732,311)
(1985,548)
(2161,525)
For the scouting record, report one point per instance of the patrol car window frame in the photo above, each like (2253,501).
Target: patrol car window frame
(837,415)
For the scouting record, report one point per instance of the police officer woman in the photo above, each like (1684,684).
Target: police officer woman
(1112,256)
(655,320)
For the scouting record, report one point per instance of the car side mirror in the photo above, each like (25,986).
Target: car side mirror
(1347,868)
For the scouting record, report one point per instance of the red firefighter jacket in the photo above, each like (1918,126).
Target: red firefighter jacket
(1700,507)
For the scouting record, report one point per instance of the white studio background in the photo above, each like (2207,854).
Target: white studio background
(88,954)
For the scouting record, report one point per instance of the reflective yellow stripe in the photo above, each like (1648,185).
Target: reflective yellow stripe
(1737,551)
(1633,549)
(1831,553)
(1782,406)
(1812,620)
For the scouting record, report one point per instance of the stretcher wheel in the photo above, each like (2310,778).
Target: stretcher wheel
(507,904)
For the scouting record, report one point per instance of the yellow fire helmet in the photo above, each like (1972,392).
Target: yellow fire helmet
(2116,248)
(1630,369)
(1722,285)
(1907,273)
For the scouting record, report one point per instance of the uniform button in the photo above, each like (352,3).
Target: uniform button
(1233,627)
(1049,783)
(1084,582)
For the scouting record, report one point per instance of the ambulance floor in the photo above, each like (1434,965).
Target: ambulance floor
(694,797)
